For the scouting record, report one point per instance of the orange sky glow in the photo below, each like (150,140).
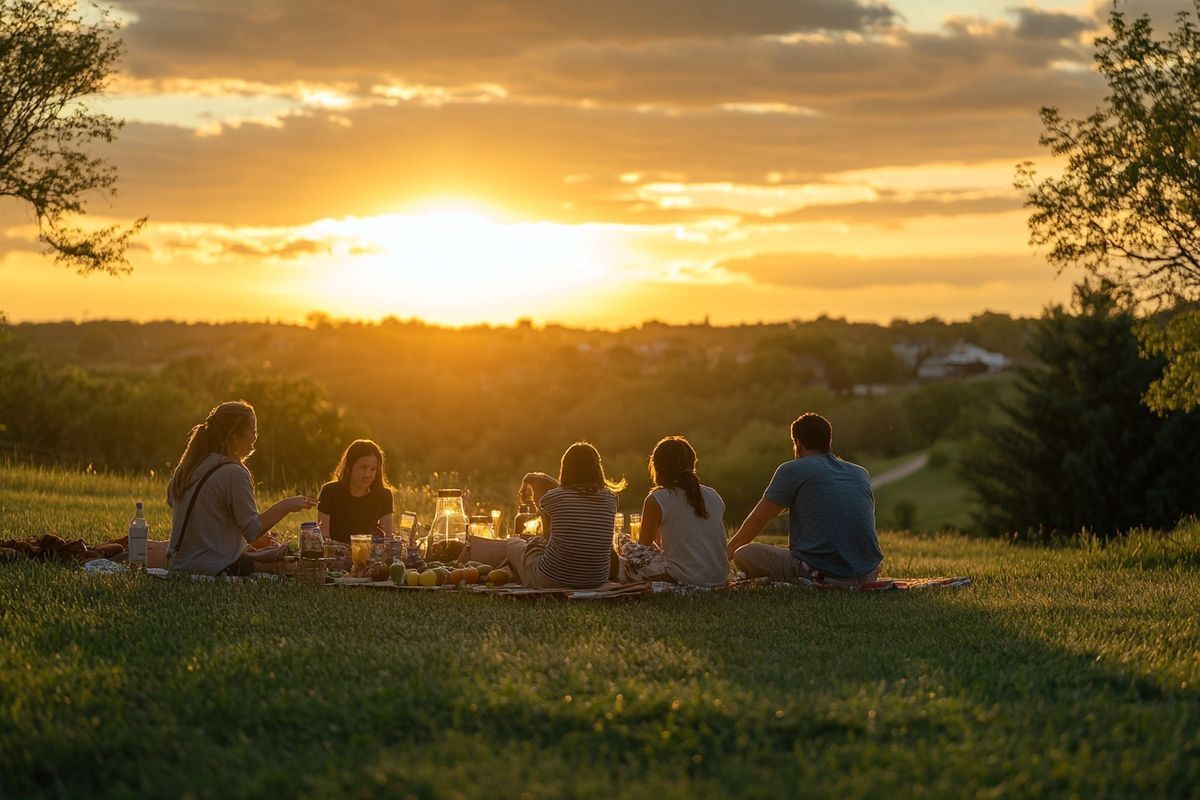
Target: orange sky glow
(586,163)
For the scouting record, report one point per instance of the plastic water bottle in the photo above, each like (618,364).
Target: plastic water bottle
(138,534)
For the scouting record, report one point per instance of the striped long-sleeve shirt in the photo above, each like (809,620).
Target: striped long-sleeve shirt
(581,529)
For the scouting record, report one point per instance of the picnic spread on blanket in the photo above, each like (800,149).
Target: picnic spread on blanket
(416,558)
(568,537)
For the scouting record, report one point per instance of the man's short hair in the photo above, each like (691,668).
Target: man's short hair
(812,432)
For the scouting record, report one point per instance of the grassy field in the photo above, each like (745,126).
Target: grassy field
(1064,672)
(940,498)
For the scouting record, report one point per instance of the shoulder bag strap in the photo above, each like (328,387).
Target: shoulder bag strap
(192,504)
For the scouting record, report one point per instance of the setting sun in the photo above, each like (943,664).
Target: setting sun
(454,263)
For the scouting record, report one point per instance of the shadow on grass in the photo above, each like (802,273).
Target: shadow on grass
(228,691)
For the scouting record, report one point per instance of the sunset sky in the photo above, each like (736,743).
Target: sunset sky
(591,162)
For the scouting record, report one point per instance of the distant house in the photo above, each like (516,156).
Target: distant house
(872,389)
(962,360)
(652,350)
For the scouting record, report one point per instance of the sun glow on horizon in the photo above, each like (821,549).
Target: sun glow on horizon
(455,262)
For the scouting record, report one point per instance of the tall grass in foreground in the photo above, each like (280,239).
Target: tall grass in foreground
(1064,671)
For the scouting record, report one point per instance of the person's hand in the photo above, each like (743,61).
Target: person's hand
(298,503)
(729,548)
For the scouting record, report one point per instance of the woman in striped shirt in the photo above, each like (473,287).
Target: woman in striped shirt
(577,516)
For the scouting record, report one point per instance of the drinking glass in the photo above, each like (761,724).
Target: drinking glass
(618,527)
(635,526)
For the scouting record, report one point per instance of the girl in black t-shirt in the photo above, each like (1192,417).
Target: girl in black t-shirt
(359,498)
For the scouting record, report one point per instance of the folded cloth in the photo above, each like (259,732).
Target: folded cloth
(102,566)
(493,552)
(640,562)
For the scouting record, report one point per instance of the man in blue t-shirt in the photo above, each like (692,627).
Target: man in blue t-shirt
(831,521)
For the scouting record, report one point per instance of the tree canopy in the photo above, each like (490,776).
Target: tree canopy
(53,59)
(1079,450)
(1126,207)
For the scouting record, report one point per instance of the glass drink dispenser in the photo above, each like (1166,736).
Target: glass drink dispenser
(448,532)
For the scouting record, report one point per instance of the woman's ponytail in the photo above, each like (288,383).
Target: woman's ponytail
(194,452)
(690,483)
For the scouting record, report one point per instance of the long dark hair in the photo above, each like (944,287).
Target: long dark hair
(214,435)
(673,466)
(361,448)
(582,469)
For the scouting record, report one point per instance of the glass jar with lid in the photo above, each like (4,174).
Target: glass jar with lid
(312,544)
(526,523)
(481,525)
(448,531)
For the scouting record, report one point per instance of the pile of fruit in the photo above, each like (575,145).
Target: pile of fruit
(433,573)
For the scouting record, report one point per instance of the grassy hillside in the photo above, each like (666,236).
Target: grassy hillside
(486,404)
(938,496)
(1062,672)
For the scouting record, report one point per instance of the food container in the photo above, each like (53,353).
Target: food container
(312,544)
(360,549)
(381,549)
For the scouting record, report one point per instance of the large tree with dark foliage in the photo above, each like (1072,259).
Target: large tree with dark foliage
(1127,204)
(1079,450)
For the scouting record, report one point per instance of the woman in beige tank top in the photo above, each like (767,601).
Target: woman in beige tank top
(682,537)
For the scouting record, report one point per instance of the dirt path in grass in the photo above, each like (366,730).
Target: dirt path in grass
(900,471)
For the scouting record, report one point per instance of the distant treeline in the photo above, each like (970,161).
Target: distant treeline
(485,403)
(139,419)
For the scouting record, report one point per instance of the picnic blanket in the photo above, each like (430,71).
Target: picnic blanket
(881,585)
(614,590)
(898,584)
(510,590)
(604,592)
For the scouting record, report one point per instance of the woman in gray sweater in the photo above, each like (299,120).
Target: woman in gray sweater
(211,496)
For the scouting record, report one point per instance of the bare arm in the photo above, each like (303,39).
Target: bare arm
(764,512)
(537,484)
(385,524)
(289,505)
(651,521)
